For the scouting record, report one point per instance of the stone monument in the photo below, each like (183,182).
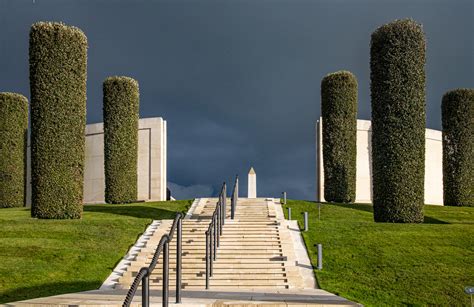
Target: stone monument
(252,182)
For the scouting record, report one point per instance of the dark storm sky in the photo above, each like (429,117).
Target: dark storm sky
(239,81)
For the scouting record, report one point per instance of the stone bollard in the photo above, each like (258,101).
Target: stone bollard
(320,257)
(306,221)
(283,200)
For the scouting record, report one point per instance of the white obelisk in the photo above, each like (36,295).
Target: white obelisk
(252,192)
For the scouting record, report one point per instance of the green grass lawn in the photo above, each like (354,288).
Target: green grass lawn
(380,264)
(48,257)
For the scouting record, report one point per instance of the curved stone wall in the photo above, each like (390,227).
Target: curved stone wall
(433,164)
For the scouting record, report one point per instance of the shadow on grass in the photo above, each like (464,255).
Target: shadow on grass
(133,211)
(369,208)
(432,220)
(43,290)
(360,207)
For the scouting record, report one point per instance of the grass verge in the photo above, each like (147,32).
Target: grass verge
(49,257)
(380,264)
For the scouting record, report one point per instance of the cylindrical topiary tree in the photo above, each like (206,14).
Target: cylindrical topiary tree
(58,64)
(121,104)
(397,73)
(458,147)
(339,112)
(13,138)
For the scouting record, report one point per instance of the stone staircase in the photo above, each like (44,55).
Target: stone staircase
(261,261)
(250,256)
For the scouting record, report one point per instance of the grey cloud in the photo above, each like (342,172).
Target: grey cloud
(189,192)
(239,81)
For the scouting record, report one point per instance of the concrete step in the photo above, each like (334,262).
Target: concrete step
(221,265)
(230,287)
(227,253)
(223,271)
(223,260)
(221,282)
(230,257)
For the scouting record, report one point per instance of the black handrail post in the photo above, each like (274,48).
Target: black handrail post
(207,259)
(236,189)
(146,289)
(179,236)
(232,206)
(166,259)
(215,237)
(210,250)
(224,196)
(218,225)
(221,211)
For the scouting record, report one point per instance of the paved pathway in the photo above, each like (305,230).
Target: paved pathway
(261,261)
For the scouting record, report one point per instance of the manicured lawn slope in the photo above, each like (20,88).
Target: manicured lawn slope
(47,257)
(380,264)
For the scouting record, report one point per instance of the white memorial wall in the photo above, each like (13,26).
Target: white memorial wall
(151,171)
(433,164)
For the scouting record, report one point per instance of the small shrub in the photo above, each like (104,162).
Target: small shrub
(458,147)
(13,136)
(121,104)
(58,64)
(339,112)
(397,72)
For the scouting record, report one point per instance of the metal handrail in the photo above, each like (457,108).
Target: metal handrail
(214,231)
(143,275)
(133,288)
(234,197)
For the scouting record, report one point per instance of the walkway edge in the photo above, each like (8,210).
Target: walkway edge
(129,257)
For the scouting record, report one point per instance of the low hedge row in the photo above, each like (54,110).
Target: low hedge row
(339,112)
(458,147)
(58,71)
(13,138)
(121,106)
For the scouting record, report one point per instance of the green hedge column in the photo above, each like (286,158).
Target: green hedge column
(121,103)
(458,147)
(397,73)
(339,111)
(58,63)
(13,136)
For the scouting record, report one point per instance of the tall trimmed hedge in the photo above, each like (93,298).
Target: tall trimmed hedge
(121,104)
(13,136)
(397,73)
(458,147)
(339,111)
(58,70)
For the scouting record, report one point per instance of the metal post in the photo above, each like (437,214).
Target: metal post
(222,209)
(222,213)
(166,260)
(214,232)
(207,260)
(232,204)
(224,196)
(306,221)
(218,226)
(210,250)
(289,213)
(320,256)
(146,289)
(284,198)
(236,189)
(179,236)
